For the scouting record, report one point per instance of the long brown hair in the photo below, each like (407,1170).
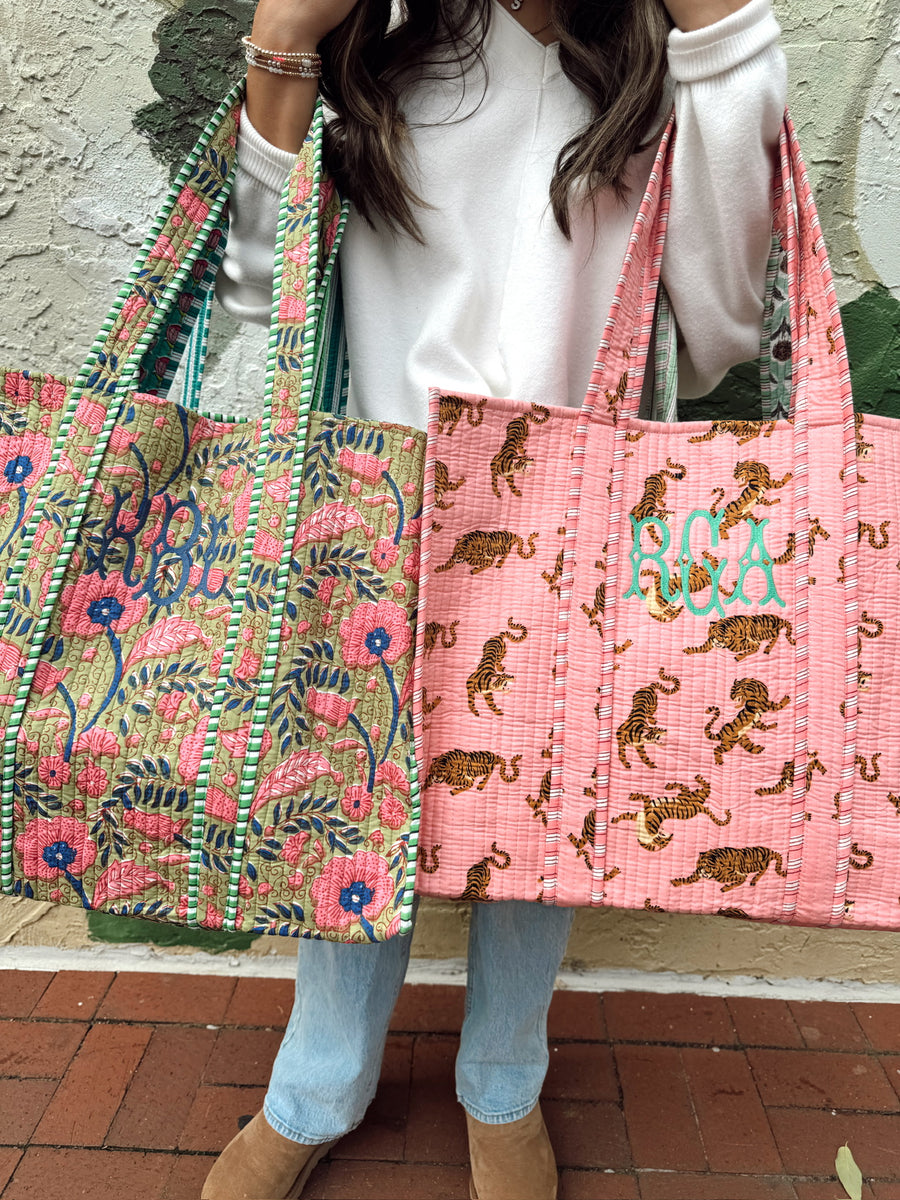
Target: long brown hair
(614,52)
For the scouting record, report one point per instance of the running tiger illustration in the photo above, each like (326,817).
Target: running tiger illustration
(451,410)
(871,774)
(489,675)
(482,549)
(443,484)
(743,431)
(699,577)
(744,635)
(731,866)
(652,502)
(656,809)
(478,878)
(540,804)
(584,844)
(753,696)
(461,768)
(786,778)
(552,579)
(757,482)
(864,450)
(437,634)
(430,862)
(878,541)
(511,458)
(639,728)
(868,858)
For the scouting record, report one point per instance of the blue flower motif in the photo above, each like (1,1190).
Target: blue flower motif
(355,896)
(59,855)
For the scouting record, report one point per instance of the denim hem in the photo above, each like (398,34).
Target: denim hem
(302,1138)
(495,1118)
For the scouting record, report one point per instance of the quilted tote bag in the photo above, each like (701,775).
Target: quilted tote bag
(639,641)
(206,631)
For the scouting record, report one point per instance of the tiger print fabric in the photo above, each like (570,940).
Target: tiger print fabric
(648,698)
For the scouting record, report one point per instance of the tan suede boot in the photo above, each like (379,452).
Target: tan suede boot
(260,1164)
(513,1161)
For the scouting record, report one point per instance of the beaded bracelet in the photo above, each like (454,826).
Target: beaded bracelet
(302,64)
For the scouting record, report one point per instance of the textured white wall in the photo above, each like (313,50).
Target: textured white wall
(78,186)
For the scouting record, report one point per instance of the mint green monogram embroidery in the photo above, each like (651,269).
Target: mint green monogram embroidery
(754,557)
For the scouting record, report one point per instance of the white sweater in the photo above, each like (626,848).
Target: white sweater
(497,302)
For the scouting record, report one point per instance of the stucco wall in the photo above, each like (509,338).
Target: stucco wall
(98,100)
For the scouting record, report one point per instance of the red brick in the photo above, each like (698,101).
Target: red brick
(658,1110)
(648,1017)
(382,1134)
(21,990)
(809,1190)
(881,1024)
(189,1172)
(264,1002)
(577,1016)
(182,999)
(889,1190)
(733,1122)
(429,1008)
(34,1050)
(387,1181)
(436,1129)
(85,1103)
(764,1022)
(50,1174)
(581,1071)
(810,1139)
(828,1026)
(9,1157)
(157,1103)
(243,1056)
(587,1135)
(22,1103)
(74,995)
(597,1185)
(891,1065)
(667,1185)
(213,1119)
(821,1079)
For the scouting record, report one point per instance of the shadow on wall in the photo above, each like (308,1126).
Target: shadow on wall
(198,60)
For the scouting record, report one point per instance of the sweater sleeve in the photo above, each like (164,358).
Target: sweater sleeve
(730,92)
(244,282)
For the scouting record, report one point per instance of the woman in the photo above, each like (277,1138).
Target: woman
(495,153)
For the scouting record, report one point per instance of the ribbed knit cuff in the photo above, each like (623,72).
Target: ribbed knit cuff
(726,44)
(260,161)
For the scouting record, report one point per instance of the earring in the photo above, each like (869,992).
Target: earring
(516,5)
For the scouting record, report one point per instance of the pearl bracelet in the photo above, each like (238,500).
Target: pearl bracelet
(302,64)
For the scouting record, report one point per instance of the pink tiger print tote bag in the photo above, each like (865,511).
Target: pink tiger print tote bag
(638,642)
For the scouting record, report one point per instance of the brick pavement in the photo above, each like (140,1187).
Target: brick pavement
(129,1084)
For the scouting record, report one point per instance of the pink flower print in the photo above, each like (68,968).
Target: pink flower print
(302,189)
(248,667)
(325,194)
(267,546)
(392,775)
(220,806)
(321,731)
(391,812)
(236,741)
(331,233)
(357,802)
(90,414)
(293,309)
(376,837)
(216,665)
(292,849)
(409,444)
(53,770)
(101,743)
(92,606)
(92,780)
(126,878)
(375,633)
(242,508)
(163,248)
(18,388)
(133,305)
(155,825)
(330,707)
(168,706)
(122,439)
(213,919)
(384,554)
(366,467)
(11,660)
(372,684)
(411,564)
(190,753)
(287,423)
(264,889)
(244,888)
(52,395)
(409,489)
(195,208)
(356,888)
(59,846)
(23,460)
(399,589)
(325,588)
(299,254)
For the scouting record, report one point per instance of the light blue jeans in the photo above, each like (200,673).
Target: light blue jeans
(329,1062)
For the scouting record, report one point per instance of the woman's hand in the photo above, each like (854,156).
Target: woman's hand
(696,14)
(297,24)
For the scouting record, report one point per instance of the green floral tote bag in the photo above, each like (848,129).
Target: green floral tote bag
(206,627)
